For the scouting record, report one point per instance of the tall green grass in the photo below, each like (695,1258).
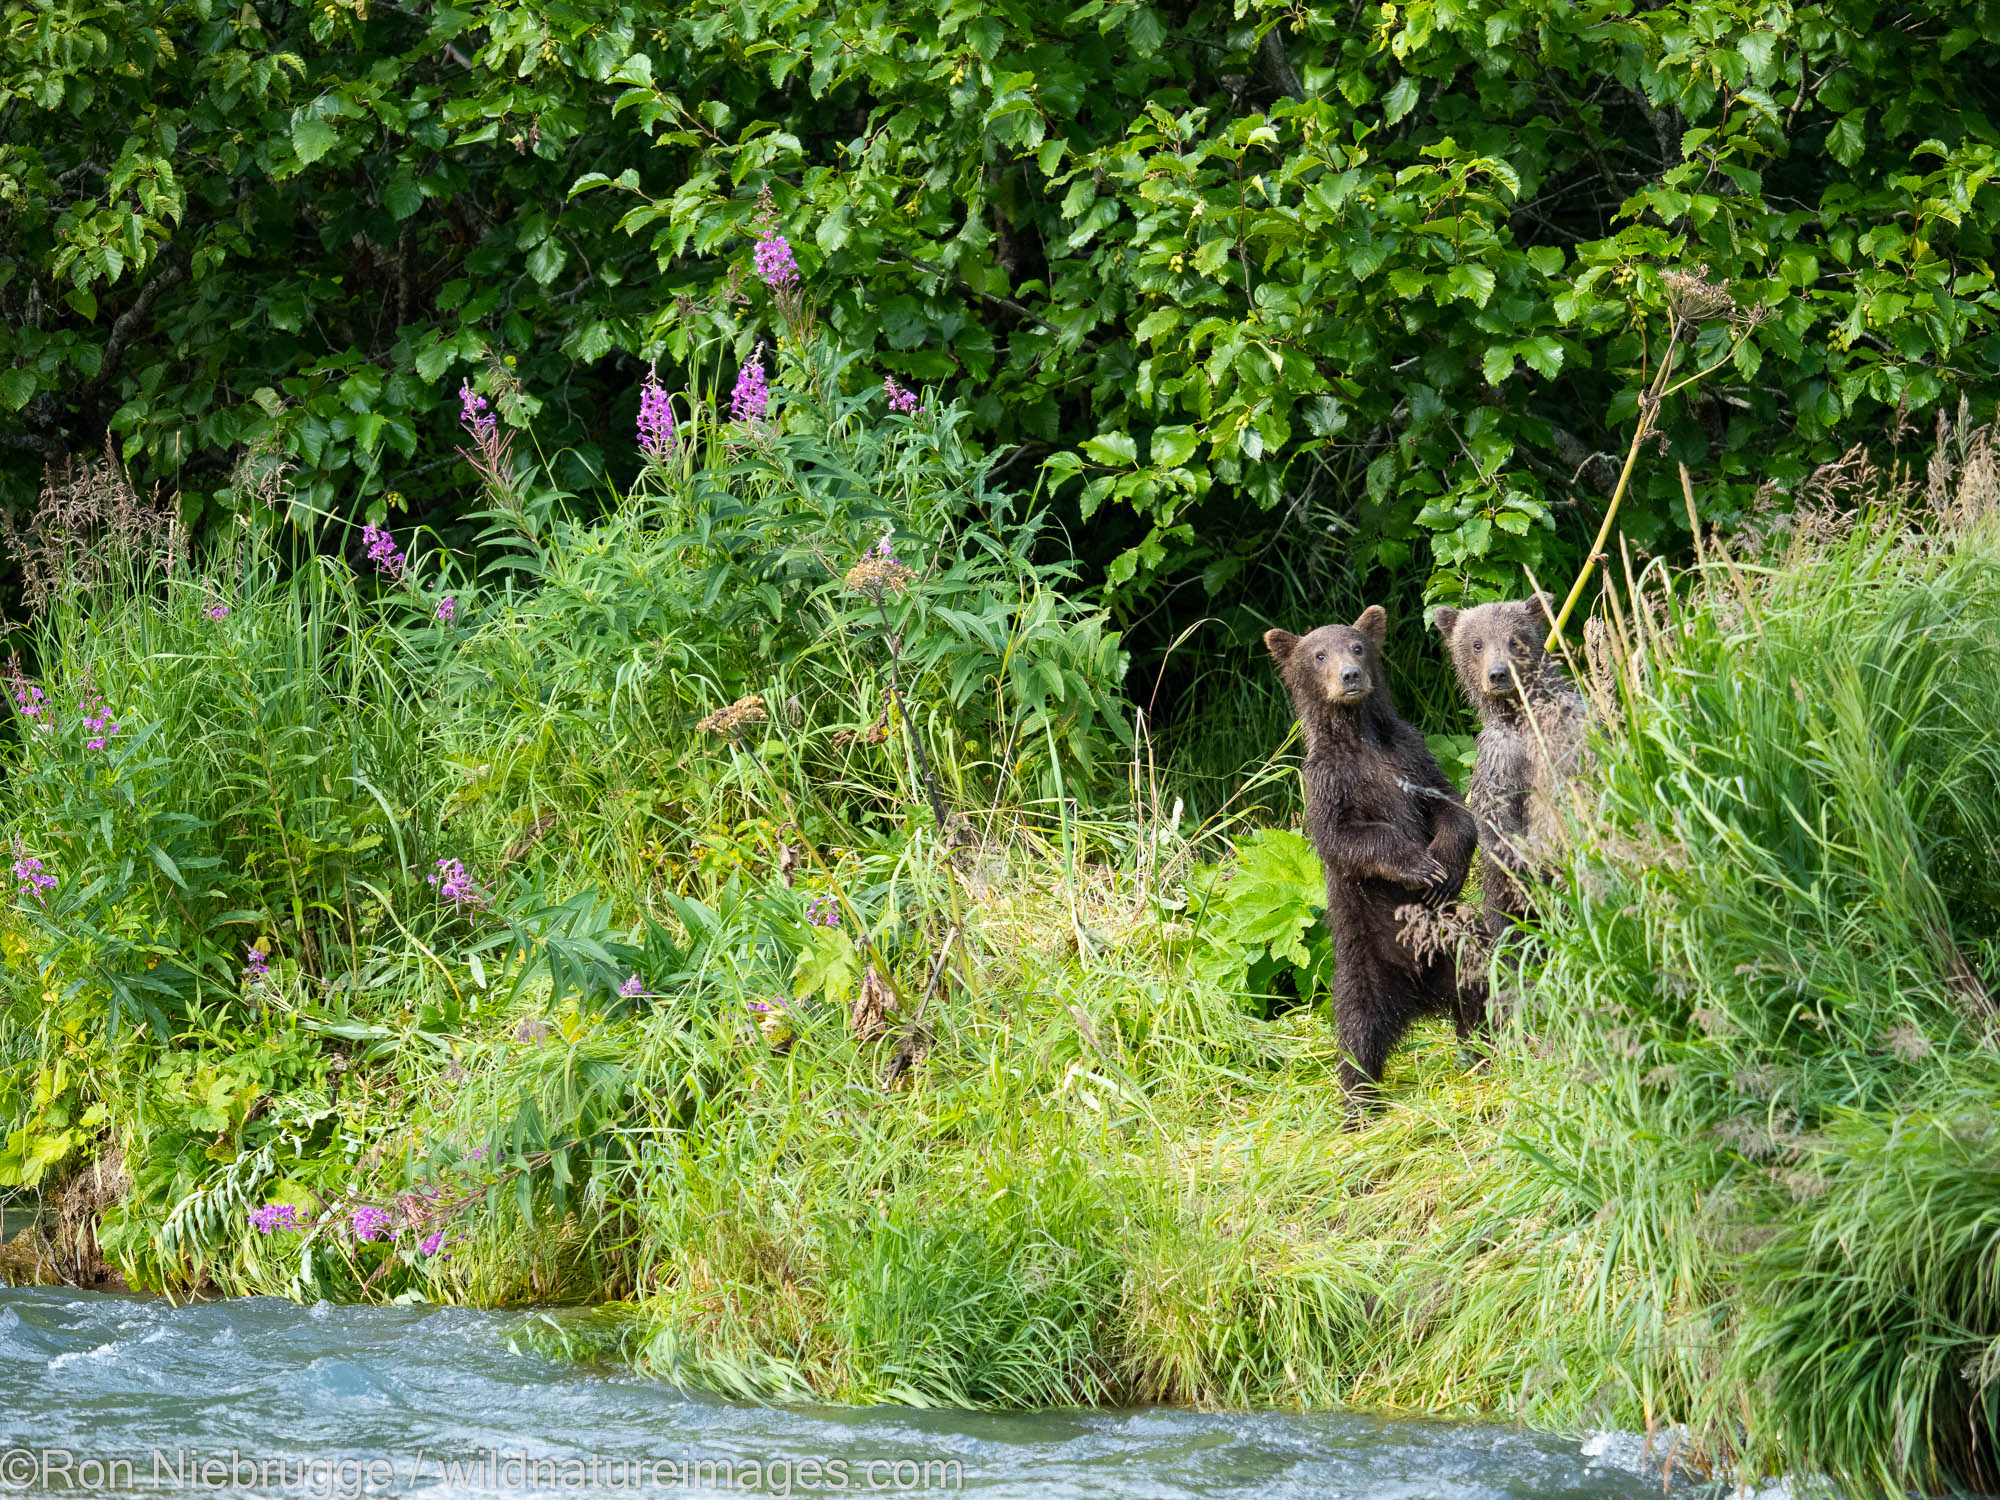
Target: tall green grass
(1774,988)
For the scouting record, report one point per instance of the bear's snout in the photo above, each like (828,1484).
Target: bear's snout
(1497,675)
(1345,682)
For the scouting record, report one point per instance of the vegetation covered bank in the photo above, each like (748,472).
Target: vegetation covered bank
(755,907)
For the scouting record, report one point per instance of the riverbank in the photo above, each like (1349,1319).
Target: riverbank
(600,941)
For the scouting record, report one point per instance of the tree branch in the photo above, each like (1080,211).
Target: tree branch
(1020,310)
(1595,469)
(34,442)
(1668,127)
(123,331)
(1277,64)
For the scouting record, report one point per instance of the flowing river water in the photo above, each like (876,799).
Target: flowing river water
(109,1394)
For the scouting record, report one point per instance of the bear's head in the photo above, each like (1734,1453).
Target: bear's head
(1335,666)
(1496,648)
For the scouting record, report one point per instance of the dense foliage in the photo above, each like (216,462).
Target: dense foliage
(1393,273)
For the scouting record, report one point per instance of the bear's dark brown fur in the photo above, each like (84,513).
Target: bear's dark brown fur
(1532,723)
(1390,829)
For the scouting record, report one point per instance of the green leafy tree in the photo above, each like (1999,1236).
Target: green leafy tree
(1393,274)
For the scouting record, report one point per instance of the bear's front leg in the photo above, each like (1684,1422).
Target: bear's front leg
(1454,840)
(1376,851)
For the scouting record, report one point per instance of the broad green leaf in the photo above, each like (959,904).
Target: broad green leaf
(1400,100)
(312,138)
(1848,138)
(1174,446)
(1112,448)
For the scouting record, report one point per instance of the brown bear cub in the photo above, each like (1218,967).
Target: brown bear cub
(1390,829)
(1532,724)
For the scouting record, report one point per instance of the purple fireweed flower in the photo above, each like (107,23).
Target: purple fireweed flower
(447,610)
(431,1243)
(488,451)
(773,259)
(274,1216)
(632,988)
(476,416)
(217,611)
(900,400)
(34,882)
(477,1153)
(822,911)
(453,884)
(656,420)
(751,400)
(29,700)
(381,548)
(256,965)
(370,1222)
(100,721)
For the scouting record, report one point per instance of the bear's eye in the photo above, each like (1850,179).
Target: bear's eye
(1320,657)
(1357,648)
(1479,645)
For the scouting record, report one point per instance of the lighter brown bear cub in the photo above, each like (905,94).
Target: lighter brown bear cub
(1390,830)
(1532,726)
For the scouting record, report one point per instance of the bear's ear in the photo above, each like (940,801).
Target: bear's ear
(1281,644)
(1446,620)
(1543,604)
(1374,623)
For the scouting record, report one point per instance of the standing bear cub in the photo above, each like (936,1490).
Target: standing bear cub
(1532,723)
(1390,830)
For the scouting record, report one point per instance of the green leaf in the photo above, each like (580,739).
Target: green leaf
(1144,31)
(1061,466)
(627,179)
(1408,283)
(1544,354)
(828,966)
(1474,283)
(1849,137)
(401,195)
(312,138)
(1112,448)
(546,260)
(593,342)
(1174,446)
(1400,99)
(167,866)
(17,387)
(636,69)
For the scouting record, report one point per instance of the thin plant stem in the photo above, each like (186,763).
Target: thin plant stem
(1694,520)
(1649,404)
(916,740)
